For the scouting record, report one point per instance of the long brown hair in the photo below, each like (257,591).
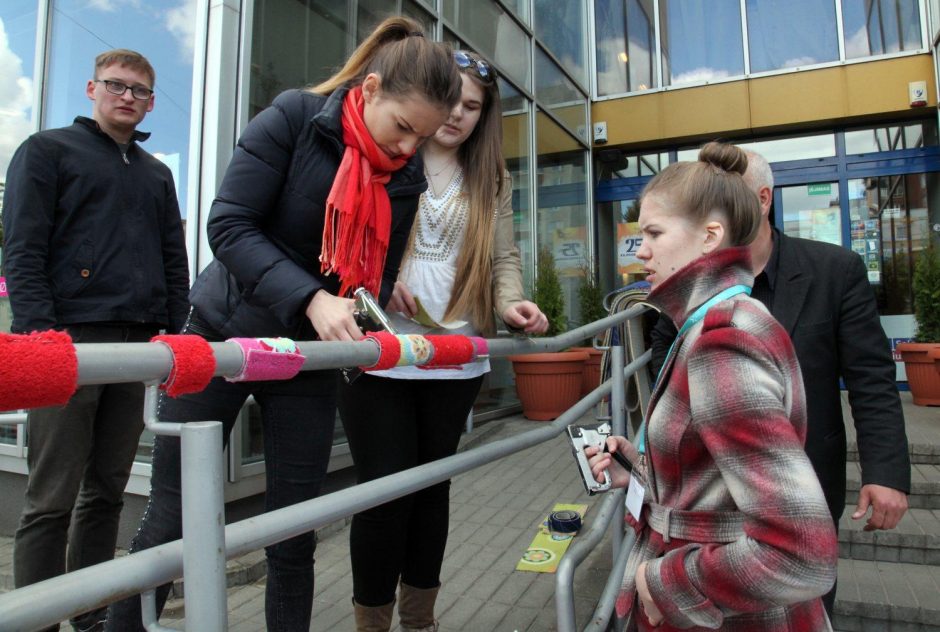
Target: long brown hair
(485,178)
(714,182)
(406,61)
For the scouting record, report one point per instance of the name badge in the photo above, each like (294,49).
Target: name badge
(635,493)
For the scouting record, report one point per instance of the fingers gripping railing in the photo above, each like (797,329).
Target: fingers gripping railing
(202,551)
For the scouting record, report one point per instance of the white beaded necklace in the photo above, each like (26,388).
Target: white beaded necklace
(442,222)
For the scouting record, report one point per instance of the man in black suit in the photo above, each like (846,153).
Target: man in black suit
(820,294)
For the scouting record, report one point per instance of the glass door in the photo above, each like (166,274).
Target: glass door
(884,219)
(812,211)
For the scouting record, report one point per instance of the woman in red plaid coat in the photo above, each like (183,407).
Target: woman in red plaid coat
(732,527)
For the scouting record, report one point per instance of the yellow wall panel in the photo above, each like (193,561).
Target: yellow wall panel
(799,100)
(813,95)
(722,106)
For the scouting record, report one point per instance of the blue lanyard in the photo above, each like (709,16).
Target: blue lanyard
(690,322)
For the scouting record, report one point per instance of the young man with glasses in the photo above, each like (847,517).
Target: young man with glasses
(94,246)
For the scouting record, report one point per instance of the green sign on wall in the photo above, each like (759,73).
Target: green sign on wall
(824,188)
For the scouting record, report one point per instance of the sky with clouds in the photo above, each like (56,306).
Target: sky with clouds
(162,30)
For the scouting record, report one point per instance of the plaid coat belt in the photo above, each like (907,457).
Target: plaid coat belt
(695,526)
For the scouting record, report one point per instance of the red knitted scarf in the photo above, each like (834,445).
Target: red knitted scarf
(358,213)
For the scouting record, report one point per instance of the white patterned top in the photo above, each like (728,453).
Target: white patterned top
(429,274)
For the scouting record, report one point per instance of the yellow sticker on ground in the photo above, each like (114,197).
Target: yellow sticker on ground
(545,552)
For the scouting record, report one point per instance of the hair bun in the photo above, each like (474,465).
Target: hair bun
(725,157)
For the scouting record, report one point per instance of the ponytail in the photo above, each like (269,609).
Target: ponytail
(405,60)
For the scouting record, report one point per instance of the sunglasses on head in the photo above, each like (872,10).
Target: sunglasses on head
(483,70)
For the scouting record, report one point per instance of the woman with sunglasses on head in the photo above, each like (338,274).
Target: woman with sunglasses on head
(732,529)
(319,199)
(461,265)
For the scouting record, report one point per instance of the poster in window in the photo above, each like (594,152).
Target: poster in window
(629,240)
(569,250)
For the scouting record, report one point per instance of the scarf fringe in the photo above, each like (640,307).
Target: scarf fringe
(357,224)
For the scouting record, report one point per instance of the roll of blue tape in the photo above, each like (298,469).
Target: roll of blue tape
(564,522)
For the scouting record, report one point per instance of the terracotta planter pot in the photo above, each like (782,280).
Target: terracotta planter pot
(591,375)
(548,384)
(922,374)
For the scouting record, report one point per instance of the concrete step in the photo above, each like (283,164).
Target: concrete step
(889,596)
(922,452)
(925,485)
(916,540)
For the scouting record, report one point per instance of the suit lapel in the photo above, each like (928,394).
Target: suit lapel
(793,281)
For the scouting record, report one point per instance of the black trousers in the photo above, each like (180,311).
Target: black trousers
(80,457)
(393,425)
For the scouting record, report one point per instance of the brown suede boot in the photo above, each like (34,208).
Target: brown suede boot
(373,619)
(416,608)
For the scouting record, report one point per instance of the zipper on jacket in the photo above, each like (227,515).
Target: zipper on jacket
(124,156)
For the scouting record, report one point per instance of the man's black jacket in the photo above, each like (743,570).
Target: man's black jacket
(92,234)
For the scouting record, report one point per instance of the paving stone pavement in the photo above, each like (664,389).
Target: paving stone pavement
(887,580)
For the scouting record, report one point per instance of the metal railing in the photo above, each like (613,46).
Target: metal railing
(206,544)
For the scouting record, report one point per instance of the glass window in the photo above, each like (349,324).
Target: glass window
(624,50)
(690,30)
(162,31)
(798,148)
(890,223)
(615,163)
(494,34)
(368,16)
(520,8)
(562,204)
(17,53)
(781,149)
(498,389)
(891,138)
(559,94)
(876,27)
(812,211)
(516,117)
(416,12)
(561,26)
(791,34)
(294,44)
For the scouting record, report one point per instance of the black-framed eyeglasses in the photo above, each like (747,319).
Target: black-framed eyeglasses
(466,60)
(117,88)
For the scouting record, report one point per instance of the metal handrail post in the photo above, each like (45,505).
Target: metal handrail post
(607,602)
(581,548)
(618,405)
(148,610)
(203,527)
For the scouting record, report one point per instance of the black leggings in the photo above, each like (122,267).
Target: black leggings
(393,425)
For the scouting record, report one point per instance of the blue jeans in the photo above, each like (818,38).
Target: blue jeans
(298,417)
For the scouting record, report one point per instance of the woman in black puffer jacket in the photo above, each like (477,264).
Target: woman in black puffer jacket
(319,199)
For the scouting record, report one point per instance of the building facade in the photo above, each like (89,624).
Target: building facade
(598,96)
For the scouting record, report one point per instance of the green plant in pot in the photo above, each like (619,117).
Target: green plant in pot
(591,304)
(548,295)
(548,384)
(923,376)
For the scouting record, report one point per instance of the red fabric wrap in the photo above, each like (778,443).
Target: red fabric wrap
(193,364)
(358,212)
(36,370)
(450,350)
(389,350)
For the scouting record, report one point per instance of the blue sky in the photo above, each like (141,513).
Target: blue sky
(162,30)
